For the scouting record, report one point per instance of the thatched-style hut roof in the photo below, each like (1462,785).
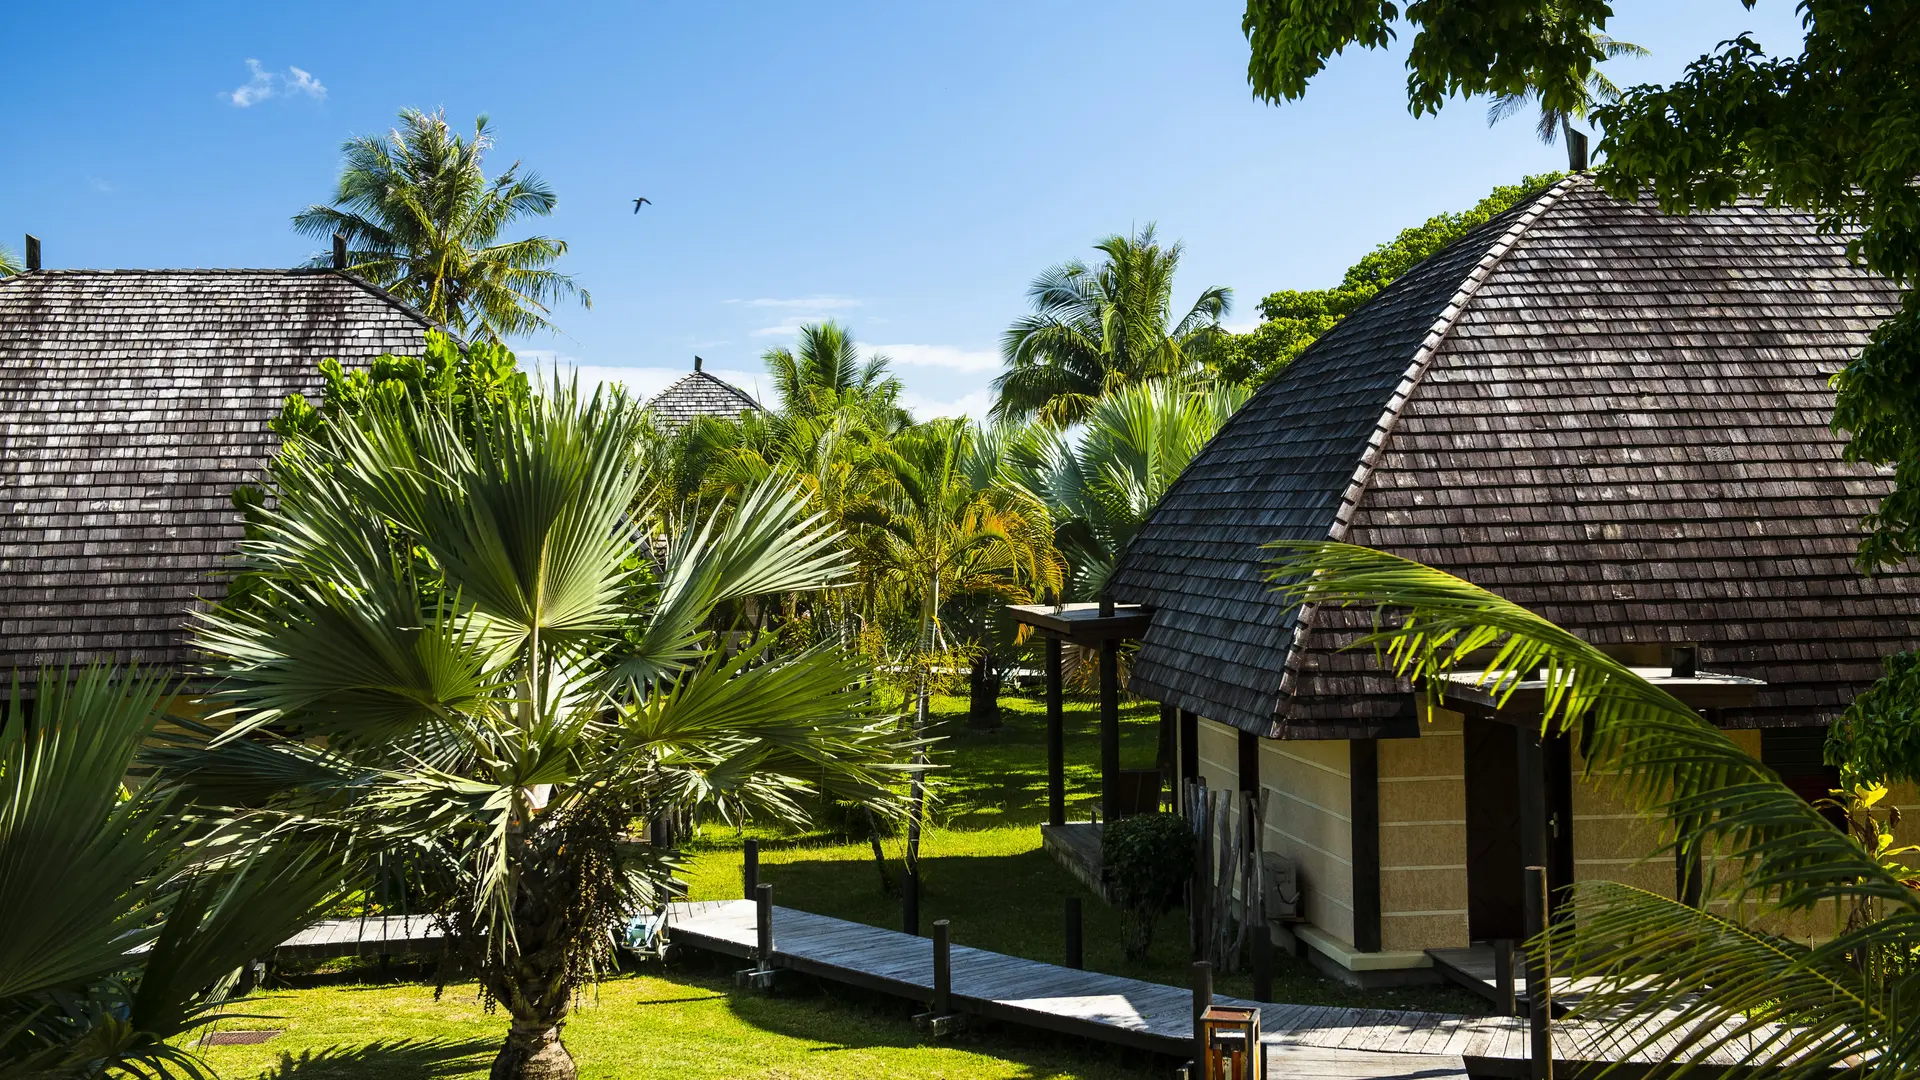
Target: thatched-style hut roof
(1616,417)
(699,394)
(132,403)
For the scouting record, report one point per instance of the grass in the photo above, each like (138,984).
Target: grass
(983,869)
(679,1026)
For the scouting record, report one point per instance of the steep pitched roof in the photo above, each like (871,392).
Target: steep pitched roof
(1613,416)
(700,394)
(132,402)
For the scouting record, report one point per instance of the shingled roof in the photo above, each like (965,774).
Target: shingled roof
(132,402)
(1615,417)
(700,394)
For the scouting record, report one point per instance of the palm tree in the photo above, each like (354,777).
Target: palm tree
(1555,120)
(1099,485)
(1094,330)
(9,266)
(125,926)
(423,221)
(826,375)
(1655,971)
(469,663)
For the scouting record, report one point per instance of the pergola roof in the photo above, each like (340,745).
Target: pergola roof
(132,403)
(1615,417)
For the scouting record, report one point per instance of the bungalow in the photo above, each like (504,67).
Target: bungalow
(700,393)
(132,403)
(1616,417)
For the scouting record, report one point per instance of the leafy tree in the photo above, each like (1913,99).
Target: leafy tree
(1095,329)
(1668,978)
(1294,319)
(1146,860)
(827,376)
(468,662)
(1828,131)
(1554,122)
(1099,483)
(423,221)
(126,921)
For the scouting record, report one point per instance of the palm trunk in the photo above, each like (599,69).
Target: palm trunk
(983,699)
(533,1052)
(539,1002)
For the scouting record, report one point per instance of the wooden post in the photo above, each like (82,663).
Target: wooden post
(1202,1000)
(339,251)
(1076,946)
(942,970)
(1056,739)
(1539,976)
(1364,807)
(1109,728)
(763,923)
(750,868)
(1262,963)
(1503,976)
(33,253)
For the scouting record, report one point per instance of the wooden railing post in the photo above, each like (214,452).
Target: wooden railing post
(942,970)
(750,867)
(1503,975)
(1539,977)
(763,921)
(1076,945)
(1202,1000)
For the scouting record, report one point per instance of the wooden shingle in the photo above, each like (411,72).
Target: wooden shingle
(699,394)
(132,403)
(1615,417)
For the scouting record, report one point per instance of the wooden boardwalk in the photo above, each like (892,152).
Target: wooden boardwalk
(392,935)
(1308,1041)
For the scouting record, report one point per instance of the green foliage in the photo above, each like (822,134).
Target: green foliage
(1096,329)
(1461,48)
(1877,741)
(1651,966)
(827,378)
(472,383)
(1099,483)
(423,221)
(126,920)
(8,264)
(1293,319)
(1145,862)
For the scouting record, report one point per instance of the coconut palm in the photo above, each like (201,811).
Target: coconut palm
(9,265)
(825,375)
(1665,977)
(468,662)
(1099,484)
(125,922)
(1096,329)
(1555,121)
(423,221)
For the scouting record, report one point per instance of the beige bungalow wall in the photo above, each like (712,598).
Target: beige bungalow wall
(1423,837)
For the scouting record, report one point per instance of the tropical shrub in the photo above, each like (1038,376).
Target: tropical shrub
(1146,861)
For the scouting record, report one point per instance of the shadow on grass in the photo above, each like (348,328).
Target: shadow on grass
(388,1059)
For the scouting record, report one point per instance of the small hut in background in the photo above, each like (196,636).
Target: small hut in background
(700,394)
(1615,417)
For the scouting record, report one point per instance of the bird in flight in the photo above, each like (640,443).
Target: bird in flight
(640,202)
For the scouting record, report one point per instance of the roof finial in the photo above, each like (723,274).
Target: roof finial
(1576,151)
(697,362)
(33,253)
(340,251)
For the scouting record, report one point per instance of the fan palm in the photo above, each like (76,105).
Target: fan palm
(423,221)
(1596,87)
(1663,976)
(1094,330)
(468,662)
(1099,484)
(125,923)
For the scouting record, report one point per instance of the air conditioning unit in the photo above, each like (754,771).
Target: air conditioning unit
(1279,887)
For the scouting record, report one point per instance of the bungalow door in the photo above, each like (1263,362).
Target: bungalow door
(1495,889)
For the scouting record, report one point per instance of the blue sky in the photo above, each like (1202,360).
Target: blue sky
(906,168)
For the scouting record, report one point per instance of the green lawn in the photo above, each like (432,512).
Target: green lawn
(683,1026)
(983,868)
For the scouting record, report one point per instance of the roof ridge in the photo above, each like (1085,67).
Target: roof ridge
(709,377)
(1416,372)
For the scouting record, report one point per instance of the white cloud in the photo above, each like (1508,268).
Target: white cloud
(265,84)
(1241,328)
(923,407)
(951,357)
(811,303)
